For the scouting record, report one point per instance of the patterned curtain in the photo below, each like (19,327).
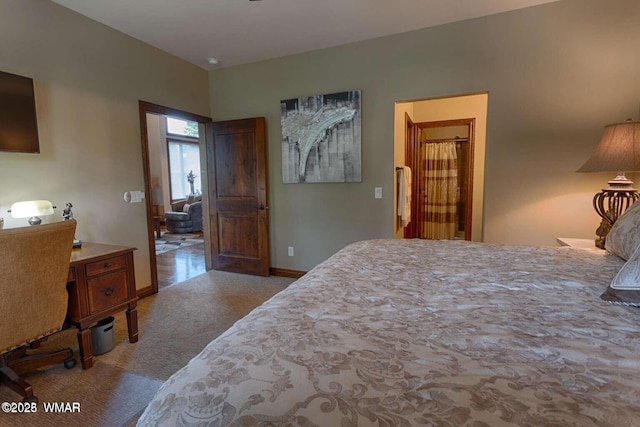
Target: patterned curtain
(439,167)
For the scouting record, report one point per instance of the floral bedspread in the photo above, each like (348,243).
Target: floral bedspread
(417,332)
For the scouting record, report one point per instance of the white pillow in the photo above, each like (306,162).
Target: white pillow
(625,286)
(628,276)
(624,236)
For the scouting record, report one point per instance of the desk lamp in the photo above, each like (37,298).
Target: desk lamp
(618,151)
(32,209)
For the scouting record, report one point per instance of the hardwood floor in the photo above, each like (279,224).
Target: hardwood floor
(179,265)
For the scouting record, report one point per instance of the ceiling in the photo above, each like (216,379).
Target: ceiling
(241,31)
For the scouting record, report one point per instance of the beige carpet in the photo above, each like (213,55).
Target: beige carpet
(174,326)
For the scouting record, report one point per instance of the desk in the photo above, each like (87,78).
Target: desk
(101,283)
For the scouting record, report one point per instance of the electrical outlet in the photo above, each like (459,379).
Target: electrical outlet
(378,193)
(290,251)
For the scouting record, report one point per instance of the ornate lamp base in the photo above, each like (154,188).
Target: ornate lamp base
(612,202)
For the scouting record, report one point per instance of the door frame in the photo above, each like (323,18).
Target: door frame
(411,151)
(471,122)
(145,107)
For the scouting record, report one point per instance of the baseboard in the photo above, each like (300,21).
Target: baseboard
(144,292)
(283,272)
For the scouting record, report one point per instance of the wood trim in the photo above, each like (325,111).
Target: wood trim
(168,111)
(471,122)
(144,108)
(470,162)
(411,151)
(445,123)
(283,272)
(144,292)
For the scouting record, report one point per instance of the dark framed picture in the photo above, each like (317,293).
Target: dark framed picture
(321,138)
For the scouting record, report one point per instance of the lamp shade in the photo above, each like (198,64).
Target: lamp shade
(618,150)
(31,208)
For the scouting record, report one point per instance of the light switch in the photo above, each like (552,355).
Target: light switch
(133,196)
(137,196)
(378,193)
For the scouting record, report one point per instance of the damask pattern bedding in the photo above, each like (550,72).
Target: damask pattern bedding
(418,332)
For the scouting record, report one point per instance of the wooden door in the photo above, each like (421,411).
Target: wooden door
(237,188)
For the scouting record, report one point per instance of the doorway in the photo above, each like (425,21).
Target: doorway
(440,121)
(156,197)
(445,214)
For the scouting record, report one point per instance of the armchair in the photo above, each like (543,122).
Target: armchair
(34,262)
(185,217)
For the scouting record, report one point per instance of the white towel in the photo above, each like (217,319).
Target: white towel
(404,195)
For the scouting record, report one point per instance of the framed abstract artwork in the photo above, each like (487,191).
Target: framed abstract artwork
(321,139)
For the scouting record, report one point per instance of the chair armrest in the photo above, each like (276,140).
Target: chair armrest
(178,206)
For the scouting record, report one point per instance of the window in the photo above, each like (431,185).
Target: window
(182,127)
(184,158)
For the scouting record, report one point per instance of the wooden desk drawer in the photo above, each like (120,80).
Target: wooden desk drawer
(107,291)
(110,264)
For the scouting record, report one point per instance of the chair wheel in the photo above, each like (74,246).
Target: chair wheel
(70,363)
(31,399)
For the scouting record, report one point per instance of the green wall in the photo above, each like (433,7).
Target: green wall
(88,80)
(556,74)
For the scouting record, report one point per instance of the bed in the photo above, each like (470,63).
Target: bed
(418,332)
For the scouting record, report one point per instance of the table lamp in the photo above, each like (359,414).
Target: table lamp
(618,151)
(32,209)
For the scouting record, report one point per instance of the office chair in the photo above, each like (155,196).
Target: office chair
(34,267)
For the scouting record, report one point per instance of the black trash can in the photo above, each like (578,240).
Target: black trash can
(102,340)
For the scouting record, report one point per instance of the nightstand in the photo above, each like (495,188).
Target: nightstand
(577,243)
(101,283)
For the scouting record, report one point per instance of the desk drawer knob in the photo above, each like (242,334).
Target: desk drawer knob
(108,291)
(105,265)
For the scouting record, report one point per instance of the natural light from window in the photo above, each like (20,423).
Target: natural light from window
(184,158)
(182,127)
